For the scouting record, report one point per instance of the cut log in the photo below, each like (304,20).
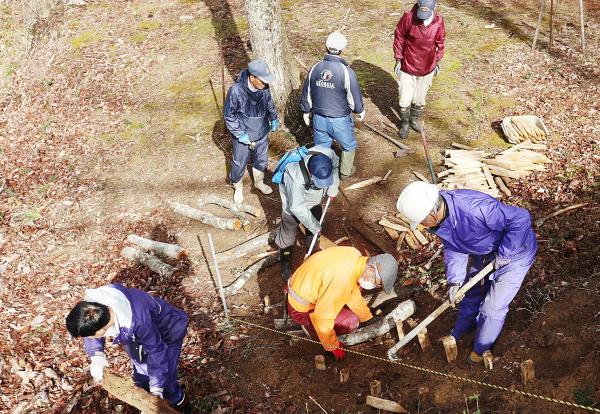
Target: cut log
(411,241)
(420,237)
(125,390)
(247,274)
(421,177)
(164,249)
(502,186)
(206,218)
(386,324)
(236,209)
(320,362)
(391,232)
(449,343)
(363,183)
(151,262)
(245,248)
(385,405)
(375,388)
(389,225)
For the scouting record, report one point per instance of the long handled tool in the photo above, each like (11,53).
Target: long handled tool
(310,249)
(461,292)
(218,273)
(426,147)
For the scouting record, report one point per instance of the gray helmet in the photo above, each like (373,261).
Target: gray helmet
(386,267)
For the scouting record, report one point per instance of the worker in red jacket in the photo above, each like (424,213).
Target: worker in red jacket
(418,49)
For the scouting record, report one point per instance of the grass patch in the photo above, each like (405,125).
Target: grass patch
(149,25)
(85,38)
(139,38)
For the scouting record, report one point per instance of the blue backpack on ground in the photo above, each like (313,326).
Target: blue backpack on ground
(294,155)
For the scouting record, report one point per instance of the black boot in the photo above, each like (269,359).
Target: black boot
(184,406)
(285,258)
(415,117)
(404,119)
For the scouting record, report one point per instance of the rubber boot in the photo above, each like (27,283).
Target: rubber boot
(184,406)
(238,194)
(285,258)
(347,168)
(415,117)
(259,177)
(404,120)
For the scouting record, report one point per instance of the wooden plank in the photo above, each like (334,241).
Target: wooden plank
(363,183)
(489,178)
(505,173)
(387,405)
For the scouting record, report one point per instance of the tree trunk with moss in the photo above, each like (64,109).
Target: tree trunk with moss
(270,43)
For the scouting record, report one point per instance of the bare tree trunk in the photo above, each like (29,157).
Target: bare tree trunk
(270,43)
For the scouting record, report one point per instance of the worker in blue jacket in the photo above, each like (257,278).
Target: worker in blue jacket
(331,92)
(249,114)
(475,229)
(150,330)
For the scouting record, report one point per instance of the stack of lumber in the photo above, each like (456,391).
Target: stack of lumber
(477,170)
(398,229)
(521,130)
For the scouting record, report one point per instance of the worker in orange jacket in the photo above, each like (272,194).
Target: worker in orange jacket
(324,293)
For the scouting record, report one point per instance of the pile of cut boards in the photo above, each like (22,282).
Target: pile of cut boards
(479,170)
(397,227)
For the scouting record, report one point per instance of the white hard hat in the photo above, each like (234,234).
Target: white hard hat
(416,201)
(336,42)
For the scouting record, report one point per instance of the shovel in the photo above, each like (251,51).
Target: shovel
(461,292)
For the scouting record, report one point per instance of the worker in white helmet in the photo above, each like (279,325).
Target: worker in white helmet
(331,93)
(475,229)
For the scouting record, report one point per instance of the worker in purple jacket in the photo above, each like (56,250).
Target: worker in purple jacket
(475,229)
(150,330)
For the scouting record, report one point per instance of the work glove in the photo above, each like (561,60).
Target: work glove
(157,393)
(437,70)
(244,139)
(452,291)
(306,117)
(361,116)
(371,321)
(274,125)
(97,366)
(339,353)
(332,192)
(398,67)
(501,261)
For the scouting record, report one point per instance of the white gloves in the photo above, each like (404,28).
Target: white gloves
(306,117)
(97,366)
(398,67)
(361,116)
(157,392)
(452,291)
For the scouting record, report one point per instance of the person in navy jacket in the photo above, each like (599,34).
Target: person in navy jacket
(331,92)
(150,330)
(250,114)
(475,229)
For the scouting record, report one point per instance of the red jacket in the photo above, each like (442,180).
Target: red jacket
(419,47)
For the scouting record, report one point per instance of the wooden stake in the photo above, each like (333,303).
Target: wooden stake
(539,23)
(375,388)
(527,371)
(218,273)
(267,302)
(424,340)
(420,237)
(449,343)
(392,233)
(502,186)
(423,395)
(320,362)
(400,240)
(421,177)
(344,375)
(385,405)
(363,183)
(488,360)
(582,26)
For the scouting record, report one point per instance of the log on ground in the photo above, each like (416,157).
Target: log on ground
(206,218)
(164,249)
(229,205)
(250,246)
(151,262)
(386,324)
(126,391)
(247,274)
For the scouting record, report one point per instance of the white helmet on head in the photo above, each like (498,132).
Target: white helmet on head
(416,201)
(336,42)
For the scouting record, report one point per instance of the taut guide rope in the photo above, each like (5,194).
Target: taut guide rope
(429,371)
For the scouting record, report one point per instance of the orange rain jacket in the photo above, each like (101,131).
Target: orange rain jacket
(328,281)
